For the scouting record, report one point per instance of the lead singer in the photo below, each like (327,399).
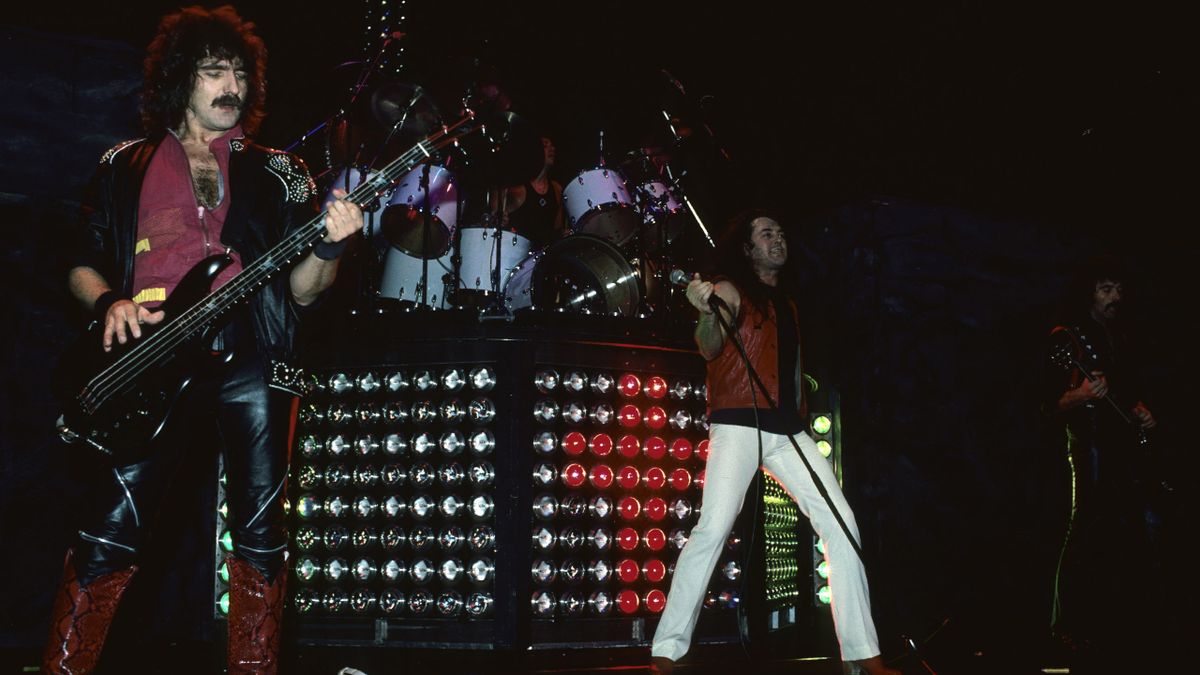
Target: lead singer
(766,322)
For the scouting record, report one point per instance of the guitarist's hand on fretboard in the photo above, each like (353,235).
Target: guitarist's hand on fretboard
(1141,412)
(1095,385)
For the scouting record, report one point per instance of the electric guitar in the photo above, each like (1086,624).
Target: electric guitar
(1064,356)
(118,402)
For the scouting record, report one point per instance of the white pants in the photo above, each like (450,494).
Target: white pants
(732,462)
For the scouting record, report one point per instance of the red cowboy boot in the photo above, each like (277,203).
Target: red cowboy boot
(255,612)
(80,619)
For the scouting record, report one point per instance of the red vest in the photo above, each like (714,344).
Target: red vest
(727,380)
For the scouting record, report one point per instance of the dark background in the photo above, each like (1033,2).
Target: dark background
(941,169)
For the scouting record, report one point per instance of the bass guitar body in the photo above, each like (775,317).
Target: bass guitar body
(119,402)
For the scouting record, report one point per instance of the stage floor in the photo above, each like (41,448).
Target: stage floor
(944,659)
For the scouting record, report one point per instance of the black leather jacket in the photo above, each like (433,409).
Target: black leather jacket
(272,195)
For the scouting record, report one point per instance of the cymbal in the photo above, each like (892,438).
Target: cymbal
(384,120)
(507,151)
(399,107)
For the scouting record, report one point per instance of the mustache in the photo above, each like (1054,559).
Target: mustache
(228,99)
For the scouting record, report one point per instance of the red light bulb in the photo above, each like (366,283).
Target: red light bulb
(630,416)
(656,417)
(654,570)
(628,601)
(681,449)
(574,475)
(655,539)
(656,601)
(702,450)
(656,387)
(629,385)
(656,508)
(574,443)
(655,448)
(628,508)
(627,538)
(655,478)
(681,479)
(699,480)
(628,477)
(601,445)
(629,446)
(627,571)
(601,476)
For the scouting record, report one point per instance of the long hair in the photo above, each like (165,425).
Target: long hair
(183,39)
(733,260)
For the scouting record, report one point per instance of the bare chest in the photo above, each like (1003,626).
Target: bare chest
(206,177)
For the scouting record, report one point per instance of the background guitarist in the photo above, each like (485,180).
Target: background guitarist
(194,187)
(1091,388)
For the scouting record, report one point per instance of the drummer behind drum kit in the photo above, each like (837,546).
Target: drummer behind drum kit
(620,231)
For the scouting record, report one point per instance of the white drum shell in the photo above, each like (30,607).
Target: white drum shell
(597,202)
(401,278)
(477,248)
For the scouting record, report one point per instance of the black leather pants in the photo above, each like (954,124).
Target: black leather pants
(252,421)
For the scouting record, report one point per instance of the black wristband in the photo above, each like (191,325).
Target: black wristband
(107,299)
(329,251)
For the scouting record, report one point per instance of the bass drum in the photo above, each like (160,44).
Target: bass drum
(401,279)
(581,274)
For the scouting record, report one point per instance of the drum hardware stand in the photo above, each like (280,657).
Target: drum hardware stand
(426,225)
(456,252)
(355,90)
(495,310)
(675,183)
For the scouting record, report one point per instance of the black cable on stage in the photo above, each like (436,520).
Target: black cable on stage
(752,375)
(773,406)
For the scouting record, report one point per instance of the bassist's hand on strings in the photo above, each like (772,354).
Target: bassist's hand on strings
(1096,386)
(342,219)
(1141,412)
(124,320)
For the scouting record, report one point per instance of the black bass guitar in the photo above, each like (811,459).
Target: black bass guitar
(118,402)
(1064,356)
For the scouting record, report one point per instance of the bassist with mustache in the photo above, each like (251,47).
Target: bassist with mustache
(1115,523)
(195,186)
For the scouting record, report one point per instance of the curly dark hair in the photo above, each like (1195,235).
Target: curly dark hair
(1081,286)
(733,260)
(183,39)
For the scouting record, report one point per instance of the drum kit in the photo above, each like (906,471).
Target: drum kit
(438,245)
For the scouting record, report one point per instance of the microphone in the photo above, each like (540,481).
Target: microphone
(681,278)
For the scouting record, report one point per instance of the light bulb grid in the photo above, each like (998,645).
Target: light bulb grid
(617,484)
(394,482)
(220,554)
(824,428)
(781,526)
